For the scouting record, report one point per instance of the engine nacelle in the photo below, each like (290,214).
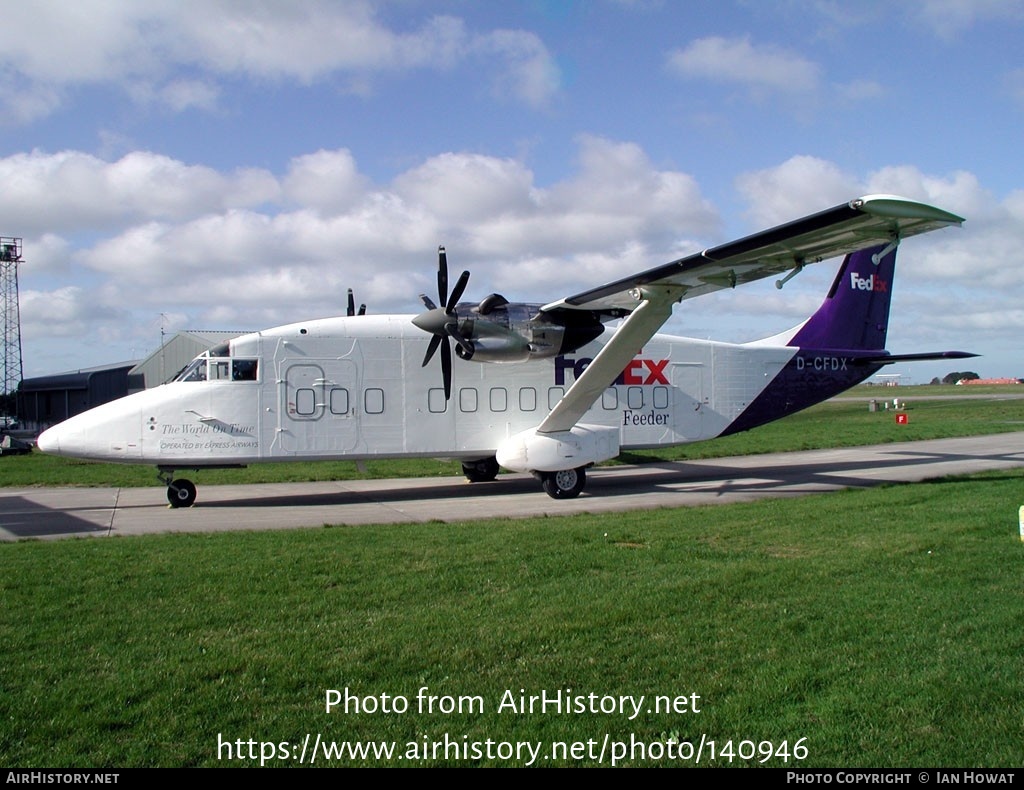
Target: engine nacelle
(497,330)
(505,348)
(583,445)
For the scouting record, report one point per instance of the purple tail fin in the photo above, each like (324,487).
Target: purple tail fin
(855,314)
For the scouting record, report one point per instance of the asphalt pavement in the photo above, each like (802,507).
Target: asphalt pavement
(46,513)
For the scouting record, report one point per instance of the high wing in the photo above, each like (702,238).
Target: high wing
(646,299)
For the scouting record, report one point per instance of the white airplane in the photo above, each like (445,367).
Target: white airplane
(546,389)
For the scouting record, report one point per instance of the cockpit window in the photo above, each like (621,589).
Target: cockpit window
(220,369)
(243,370)
(196,371)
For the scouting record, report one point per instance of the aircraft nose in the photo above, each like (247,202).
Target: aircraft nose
(49,441)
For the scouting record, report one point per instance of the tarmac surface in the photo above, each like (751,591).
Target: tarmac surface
(96,512)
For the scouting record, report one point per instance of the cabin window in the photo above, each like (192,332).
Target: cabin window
(373,401)
(610,399)
(661,397)
(467,400)
(339,401)
(635,397)
(499,399)
(528,399)
(554,395)
(436,403)
(305,402)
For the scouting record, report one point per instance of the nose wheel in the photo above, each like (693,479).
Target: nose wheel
(180,492)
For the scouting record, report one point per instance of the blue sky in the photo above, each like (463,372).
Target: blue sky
(225,165)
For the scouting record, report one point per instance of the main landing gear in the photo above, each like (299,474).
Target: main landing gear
(483,471)
(180,492)
(565,484)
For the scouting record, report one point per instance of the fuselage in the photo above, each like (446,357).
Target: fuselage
(354,387)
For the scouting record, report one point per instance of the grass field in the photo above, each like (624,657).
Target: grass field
(880,627)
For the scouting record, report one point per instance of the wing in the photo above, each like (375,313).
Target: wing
(863,222)
(646,298)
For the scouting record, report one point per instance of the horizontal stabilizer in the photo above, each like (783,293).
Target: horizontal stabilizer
(889,359)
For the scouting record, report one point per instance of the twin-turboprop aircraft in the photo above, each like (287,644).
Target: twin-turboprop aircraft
(546,389)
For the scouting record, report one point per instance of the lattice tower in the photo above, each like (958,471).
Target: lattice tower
(10,257)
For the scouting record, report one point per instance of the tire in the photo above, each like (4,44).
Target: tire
(181,493)
(482,471)
(565,484)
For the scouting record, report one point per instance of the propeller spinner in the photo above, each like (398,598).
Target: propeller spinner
(443,322)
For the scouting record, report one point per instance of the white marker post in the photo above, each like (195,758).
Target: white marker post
(1021,514)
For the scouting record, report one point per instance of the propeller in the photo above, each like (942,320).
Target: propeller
(443,322)
(352,305)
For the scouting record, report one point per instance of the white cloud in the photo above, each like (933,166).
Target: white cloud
(72,190)
(324,180)
(143,235)
(180,95)
(468,187)
(526,69)
(800,185)
(148,233)
(147,45)
(756,66)
(947,18)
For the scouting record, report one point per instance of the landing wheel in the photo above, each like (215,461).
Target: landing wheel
(565,484)
(482,471)
(181,493)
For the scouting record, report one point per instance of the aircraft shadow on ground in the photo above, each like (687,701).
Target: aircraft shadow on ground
(806,477)
(24,518)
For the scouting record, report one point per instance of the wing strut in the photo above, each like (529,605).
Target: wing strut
(654,310)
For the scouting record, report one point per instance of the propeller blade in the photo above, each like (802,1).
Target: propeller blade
(351,303)
(362,310)
(443,322)
(442,275)
(452,329)
(435,341)
(460,286)
(446,368)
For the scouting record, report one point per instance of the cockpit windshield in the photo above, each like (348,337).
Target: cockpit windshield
(195,371)
(210,366)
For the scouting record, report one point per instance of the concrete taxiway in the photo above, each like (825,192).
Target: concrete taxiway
(69,512)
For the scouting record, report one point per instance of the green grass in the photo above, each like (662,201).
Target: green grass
(884,627)
(879,627)
(846,423)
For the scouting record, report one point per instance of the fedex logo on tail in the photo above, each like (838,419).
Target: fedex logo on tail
(870,283)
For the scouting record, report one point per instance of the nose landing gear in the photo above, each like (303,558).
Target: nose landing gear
(180,492)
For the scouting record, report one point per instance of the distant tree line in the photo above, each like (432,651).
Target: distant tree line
(953,378)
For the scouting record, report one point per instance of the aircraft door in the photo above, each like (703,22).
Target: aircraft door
(689,402)
(318,400)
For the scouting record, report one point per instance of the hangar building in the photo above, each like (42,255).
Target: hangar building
(46,400)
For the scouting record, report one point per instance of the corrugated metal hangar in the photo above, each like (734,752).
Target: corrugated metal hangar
(46,400)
